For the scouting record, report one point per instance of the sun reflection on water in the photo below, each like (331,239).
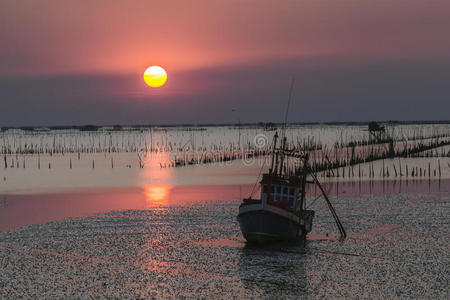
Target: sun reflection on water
(155,171)
(157,195)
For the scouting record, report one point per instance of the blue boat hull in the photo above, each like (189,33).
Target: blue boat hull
(262,226)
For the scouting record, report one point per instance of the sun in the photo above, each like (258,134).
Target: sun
(155,76)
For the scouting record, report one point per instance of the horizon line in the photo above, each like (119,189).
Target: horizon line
(273,124)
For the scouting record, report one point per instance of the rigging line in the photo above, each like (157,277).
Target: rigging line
(314,201)
(333,212)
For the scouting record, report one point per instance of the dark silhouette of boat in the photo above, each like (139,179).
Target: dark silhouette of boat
(280,214)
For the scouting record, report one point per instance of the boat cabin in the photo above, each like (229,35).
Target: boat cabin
(281,191)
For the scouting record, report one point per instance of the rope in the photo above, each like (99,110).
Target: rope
(311,204)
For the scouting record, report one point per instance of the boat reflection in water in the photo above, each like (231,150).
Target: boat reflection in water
(274,271)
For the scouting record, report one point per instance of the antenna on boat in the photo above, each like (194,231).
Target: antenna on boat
(283,131)
(291,88)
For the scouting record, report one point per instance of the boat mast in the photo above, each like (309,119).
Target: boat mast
(283,148)
(275,138)
(303,175)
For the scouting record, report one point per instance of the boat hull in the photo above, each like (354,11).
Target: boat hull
(263,226)
(261,222)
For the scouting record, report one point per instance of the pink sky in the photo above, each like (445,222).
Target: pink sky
(53,36)
(77,62)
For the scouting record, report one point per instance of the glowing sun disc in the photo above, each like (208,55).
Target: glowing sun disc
(155,76)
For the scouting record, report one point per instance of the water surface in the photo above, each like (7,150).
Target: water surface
(397,247)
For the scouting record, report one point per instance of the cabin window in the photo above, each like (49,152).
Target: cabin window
(284,192)
(263,192)
(278,189)
(275,195)
(291,191)
(291,202)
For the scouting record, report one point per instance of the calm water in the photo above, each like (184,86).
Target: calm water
(27,209)
(397,247)
(23,210)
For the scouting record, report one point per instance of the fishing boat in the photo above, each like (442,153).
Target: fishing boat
(280,213)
